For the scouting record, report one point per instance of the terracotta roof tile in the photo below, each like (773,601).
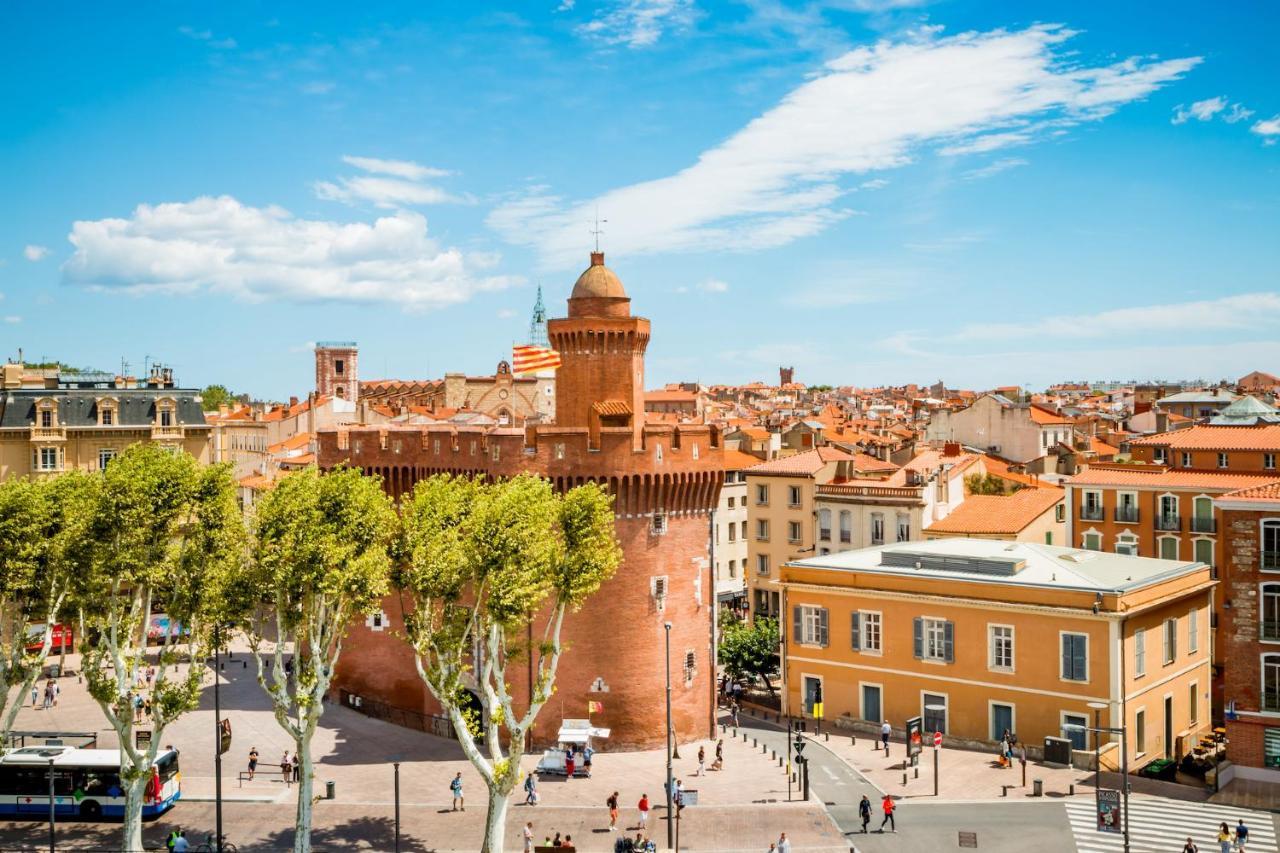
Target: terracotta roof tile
(1210,437)
(995,514)
(736,460)
(1157,476)
(1265,493)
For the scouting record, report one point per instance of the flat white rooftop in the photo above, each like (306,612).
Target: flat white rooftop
(1013,563)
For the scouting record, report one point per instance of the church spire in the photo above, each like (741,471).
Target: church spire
(538,323)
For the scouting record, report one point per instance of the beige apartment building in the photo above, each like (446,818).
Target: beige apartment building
(871,511)
(52,422)
(731,531)
(1019,432)
(781,513)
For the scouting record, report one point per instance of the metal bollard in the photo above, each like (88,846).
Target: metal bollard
(774,753)
(1071,789)
(917,769)
(904,778)
(853,741)
(1004,790)
(779,760)
(826,737)
(754,743)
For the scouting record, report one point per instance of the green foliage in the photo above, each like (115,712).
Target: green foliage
(321,546)
(749,649)
(214,396)
(988,484)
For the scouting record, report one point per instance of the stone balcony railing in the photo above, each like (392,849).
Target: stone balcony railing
(51,433)
(173,432)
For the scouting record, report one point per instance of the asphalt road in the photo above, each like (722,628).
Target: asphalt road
(922,826)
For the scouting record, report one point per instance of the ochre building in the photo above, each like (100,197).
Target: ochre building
(665,479)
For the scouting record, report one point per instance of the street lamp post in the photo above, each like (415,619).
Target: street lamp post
(1097,750)
(936,748)
(1124,764)
(670,829)
(217,743)
(52,811)
(396,765)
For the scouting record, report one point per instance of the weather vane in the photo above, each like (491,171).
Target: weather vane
(596,231)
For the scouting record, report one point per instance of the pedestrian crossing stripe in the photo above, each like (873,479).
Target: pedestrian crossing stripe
(1158,825)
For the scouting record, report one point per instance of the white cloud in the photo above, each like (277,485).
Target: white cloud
(12,319)
(1230,313)
(948,243)
(318,87)
(995,168)
(566,5)
(1238,113)
(390,184)
(714,285)
(222,246)
(875,108)
(207,36)
(406,169)
(874,184)
(1200,110)
(1268,129)
(34,253)
(638,23)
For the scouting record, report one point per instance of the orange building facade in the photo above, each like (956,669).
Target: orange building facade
(1002,636)
(665,480)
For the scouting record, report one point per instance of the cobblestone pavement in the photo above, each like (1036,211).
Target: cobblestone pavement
(738,808)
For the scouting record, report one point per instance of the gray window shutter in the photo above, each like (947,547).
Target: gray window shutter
(856,637)
(1066,656)
(822,626)
(918,628)
(1078,667)
(797,624)
(948,640)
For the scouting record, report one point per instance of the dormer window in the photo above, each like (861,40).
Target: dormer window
(107,410)
(166,412)
(166,417)
(108,417)
(46,418)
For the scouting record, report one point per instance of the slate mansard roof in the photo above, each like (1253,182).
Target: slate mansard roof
(135,407)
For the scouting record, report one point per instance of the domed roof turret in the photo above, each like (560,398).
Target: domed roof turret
(598,282)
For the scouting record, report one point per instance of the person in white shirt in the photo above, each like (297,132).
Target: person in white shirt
(528,837)
(784,846)
(180,844)
(885,731)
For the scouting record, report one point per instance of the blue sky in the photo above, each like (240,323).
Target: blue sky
(876,191)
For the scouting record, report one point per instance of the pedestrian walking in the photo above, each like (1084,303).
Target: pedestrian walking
(531,789)
(57,689)
(784,844)
(735,708)
(718,764)
(528,837)
(888,807)
(1242,835)
(286,767)
(35,695)
(48,696)
(456,787)
(296,766)
(678,797)
(864,812)
(568,763)
(1190,846)
(702,761)
(612,803)
(643,807)
(1224,839)
(253,761)
(587,753)
(885,731)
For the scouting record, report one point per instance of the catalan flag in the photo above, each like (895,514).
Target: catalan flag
(595,707)
(527,358)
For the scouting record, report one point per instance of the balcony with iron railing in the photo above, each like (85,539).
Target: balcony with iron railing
(1166,521)
(1127,514)
(1269,631)
(1204,524)
(1091,513)
(1271,560)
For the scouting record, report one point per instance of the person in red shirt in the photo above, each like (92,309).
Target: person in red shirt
(643,806)
(888,814)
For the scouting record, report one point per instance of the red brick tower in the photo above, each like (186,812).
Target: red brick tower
(336,370)
(665,480)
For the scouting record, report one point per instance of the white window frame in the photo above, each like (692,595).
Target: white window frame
(1160,455)
(762,494)
(1265,524)
(1085,495)
(877,518)
(1177,541)
(1184,458)
(1095,535)
(795,532)
(1139,652)
(1129,540)
(762,530)
(824,531)
(1193,703)
(795,497)
(1269,461)
(1193,630)
(901,519)
(1169,641)
(1139,732)
(1085,680)
(1263,594)
(810,631)
(992,664)
(1223,459)
(864,633)
(928,623)
(1262,678)
(762,565)
(105,455)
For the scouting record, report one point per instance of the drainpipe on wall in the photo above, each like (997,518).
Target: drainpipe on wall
(714,610)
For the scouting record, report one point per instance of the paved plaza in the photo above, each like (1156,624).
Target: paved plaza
(356,753)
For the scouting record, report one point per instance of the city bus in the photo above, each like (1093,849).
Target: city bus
(86,783)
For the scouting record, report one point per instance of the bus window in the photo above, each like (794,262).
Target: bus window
(95,782)
(167,767)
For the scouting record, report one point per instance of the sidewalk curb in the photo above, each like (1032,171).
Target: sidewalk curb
(781,730)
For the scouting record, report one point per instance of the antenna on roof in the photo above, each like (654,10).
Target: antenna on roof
(596,231)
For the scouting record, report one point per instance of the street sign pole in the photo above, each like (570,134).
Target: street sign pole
(217,753)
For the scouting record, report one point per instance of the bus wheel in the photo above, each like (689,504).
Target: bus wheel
(90,810)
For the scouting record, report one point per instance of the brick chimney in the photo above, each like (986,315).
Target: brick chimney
(951,448)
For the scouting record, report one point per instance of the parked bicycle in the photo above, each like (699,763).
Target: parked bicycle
(211,846)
